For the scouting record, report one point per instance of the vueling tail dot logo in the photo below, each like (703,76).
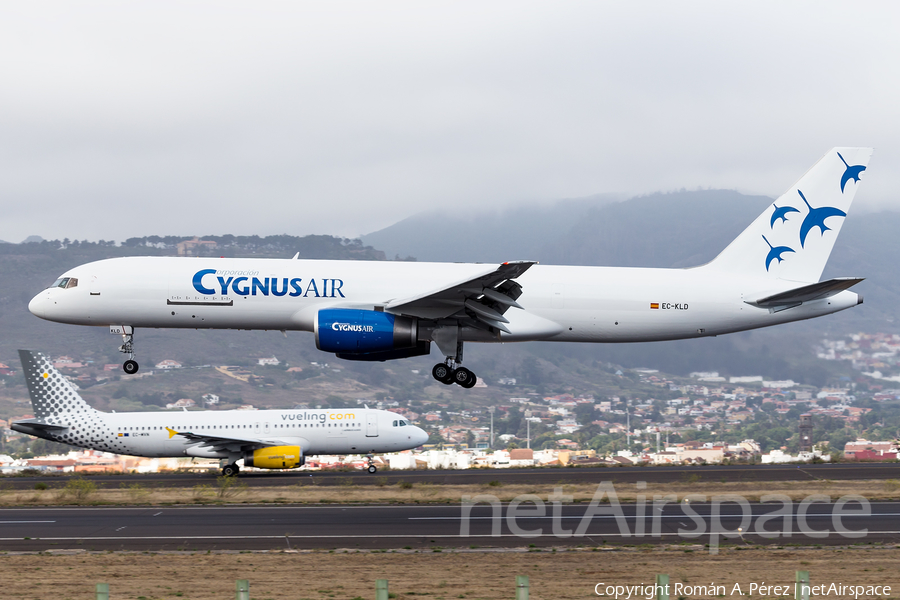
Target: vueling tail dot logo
(245,283)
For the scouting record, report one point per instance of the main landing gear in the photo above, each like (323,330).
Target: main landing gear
(231,470)
(447,374)
(130,366)
(371,468)
(451,370)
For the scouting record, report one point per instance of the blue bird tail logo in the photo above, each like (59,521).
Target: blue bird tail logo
(850,172)
(816,218)
(781,212)
(775,252)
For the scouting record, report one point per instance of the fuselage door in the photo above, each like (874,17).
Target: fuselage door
(371,424)
(266,427)
(256,428)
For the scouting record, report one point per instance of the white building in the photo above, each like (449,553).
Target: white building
(168,364)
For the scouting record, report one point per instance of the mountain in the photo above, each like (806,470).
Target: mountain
(451,235)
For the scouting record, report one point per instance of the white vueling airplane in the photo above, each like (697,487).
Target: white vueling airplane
(267,439)
(386,310)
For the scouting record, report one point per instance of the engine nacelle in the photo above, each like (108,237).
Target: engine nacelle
(275,457)
(352,331)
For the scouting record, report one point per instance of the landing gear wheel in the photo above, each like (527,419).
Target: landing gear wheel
(462,376)
(471,381)
(230,470)
(130,367)
(372,469)
(442,373)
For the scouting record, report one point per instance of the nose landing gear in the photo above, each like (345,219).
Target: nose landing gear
(130,366)
(371,468)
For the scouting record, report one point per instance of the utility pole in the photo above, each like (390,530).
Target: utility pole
(528,427)
(628,423)
(491,410)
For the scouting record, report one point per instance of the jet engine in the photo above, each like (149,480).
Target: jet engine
(275,457)
(368,335)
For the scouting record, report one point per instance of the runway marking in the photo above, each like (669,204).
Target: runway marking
(481,506)
(410,536)
(157,514)
(644,517)
(18,522)
(121,528)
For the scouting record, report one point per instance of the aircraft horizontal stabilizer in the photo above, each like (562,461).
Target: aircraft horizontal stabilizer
(29,426)
(806,293)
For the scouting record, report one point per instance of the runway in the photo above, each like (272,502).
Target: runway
(546,475)
(432,527)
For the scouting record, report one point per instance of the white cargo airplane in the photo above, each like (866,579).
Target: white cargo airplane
(385,310)
(267,439)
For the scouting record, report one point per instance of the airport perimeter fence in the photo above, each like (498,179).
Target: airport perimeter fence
(660,591)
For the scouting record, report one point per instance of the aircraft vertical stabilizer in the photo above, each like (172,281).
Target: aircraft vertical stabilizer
(793,238)
(51,393)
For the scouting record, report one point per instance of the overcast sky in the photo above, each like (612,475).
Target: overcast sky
(126,119)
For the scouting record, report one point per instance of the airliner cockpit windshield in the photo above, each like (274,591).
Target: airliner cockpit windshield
(65,282)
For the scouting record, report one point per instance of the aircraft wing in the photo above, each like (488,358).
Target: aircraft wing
(479,301)
(806,293)
(229,443)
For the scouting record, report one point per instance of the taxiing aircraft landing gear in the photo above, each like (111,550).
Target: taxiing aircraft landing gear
(231,470)
(371,468)
(130,366)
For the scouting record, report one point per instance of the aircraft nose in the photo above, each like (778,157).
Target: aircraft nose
(38,305)
(420,437)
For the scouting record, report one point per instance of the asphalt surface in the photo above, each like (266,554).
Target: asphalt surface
(441,526)
(693,474)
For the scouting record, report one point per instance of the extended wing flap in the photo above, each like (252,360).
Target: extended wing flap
(448,300)
(806,293)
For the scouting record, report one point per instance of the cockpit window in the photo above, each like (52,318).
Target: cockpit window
(65,282)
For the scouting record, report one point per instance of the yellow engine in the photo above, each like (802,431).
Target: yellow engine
(275,457)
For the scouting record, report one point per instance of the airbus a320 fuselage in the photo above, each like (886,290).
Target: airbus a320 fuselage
(268,439)
(387,310)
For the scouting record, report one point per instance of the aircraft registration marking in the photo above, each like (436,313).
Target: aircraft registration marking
(668,306)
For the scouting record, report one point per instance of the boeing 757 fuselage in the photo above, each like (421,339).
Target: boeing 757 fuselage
(387,310)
